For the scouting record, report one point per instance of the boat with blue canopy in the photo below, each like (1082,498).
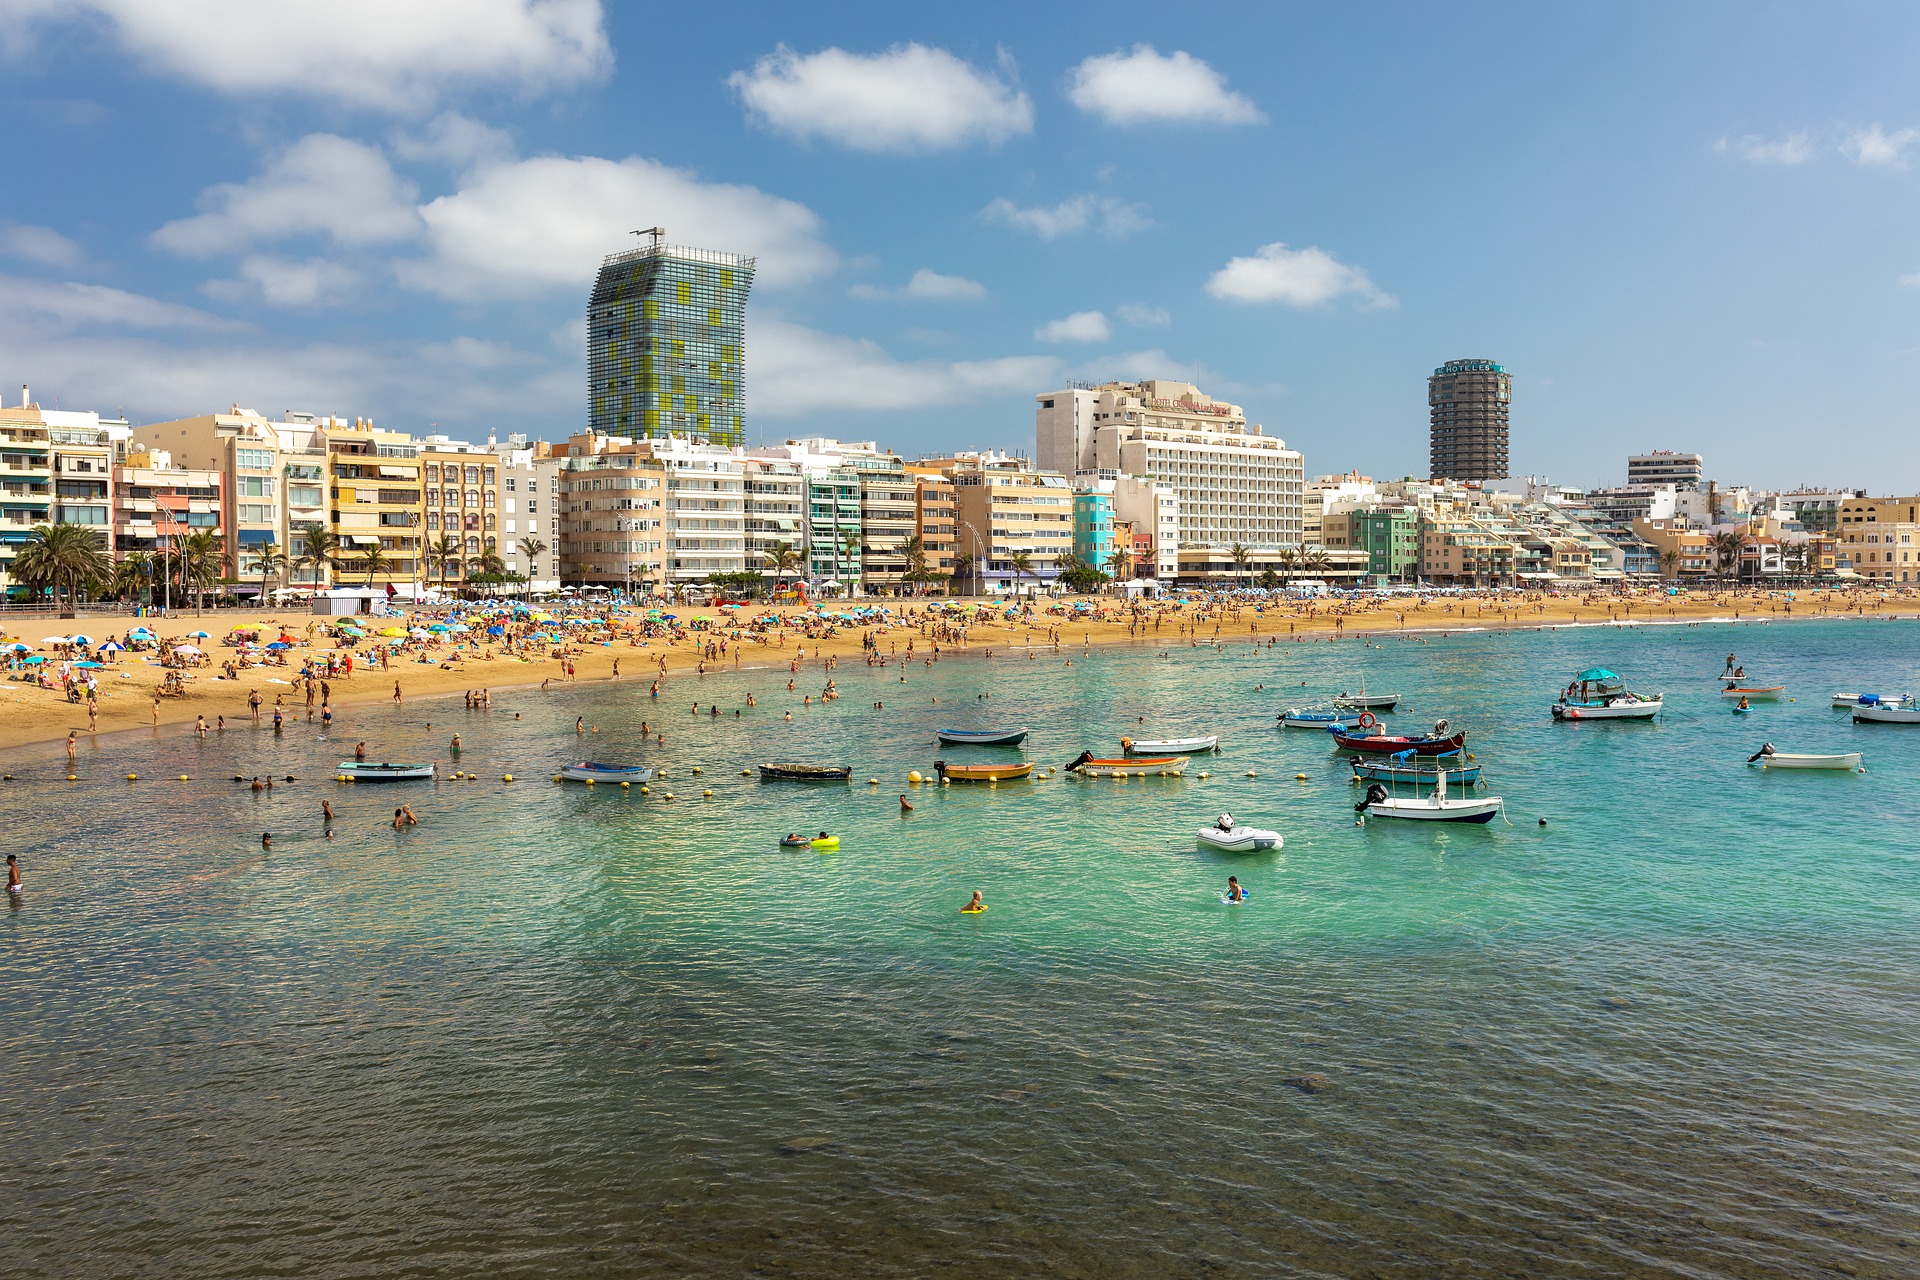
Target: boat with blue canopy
(1599,694)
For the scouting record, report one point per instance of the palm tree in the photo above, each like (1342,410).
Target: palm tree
(1021,562)
(372,561)
(783,560)
(320,549)
(850,543)
(531,547)
(202,556)
(443,551)
(1240,555)
(132,574)
(1286,560)
(1726,550)
(1312,562)
(1670,563)
(967,565)
(1120,564)
(270,561)
(58,555)
(914,548)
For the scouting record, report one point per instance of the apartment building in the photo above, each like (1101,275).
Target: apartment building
(461,508)
(1153,509)
(693,528)
(611,518)
(1390,537)
(1235,483)
(379,506)
(1093,527)
(529,499)
(1681,548)
(1459,550)
(155,503)
(775,516)
(936,516)
(1882,537)
(82,468)
(1663,466)
(1018,520)
(26,481)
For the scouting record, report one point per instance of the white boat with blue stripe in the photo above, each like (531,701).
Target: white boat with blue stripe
(591,771)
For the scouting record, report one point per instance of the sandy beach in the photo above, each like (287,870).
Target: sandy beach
(32,714)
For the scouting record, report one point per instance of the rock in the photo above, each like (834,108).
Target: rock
(1312,1082)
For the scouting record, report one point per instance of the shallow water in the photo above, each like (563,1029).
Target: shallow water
(554,1030)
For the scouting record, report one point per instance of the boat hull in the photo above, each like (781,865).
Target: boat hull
(1238,840)
(1886,715)
(1368,701)
(1378,771)
(589,772)
(1644,710)
(1169,746)
(806,772)
(360,771)
(1142,767)
(983,772)
(1392,745)
(1846,760)
(1773,693)
(1475,811)
(1293,718)
(981,738)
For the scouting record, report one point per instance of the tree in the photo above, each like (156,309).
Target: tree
(967,565)
(372,561)
(1670,563)
(1269,579)
(531,547)
(441,552)
(63,555)
(203,558)
(271,562)
(1241,556)
(782,559)
(1726,550)
(133,574)
(1312,562)
(850,543)
(1021,562)
(1287,560)
(319,549)
(1081,576)
(1120,564)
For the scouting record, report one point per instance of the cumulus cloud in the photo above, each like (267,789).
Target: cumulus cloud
(545,223)
(925,286)
(1909,281)
(1792,148)
(1106,214)
(458,141)
(1145,86)
(323,185)
(38,244)
(795,370)
(47,306)
(1875,147)
(1081,326)
(368,53)
(909,98)
(1146,317)
(1296,277)
(286,282)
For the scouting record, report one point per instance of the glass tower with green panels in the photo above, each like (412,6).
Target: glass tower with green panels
(666,349)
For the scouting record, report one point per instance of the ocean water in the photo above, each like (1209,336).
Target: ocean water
(554,1031)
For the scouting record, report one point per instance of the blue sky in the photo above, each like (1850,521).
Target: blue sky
(1679,226)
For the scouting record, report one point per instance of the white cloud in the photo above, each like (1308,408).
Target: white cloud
(1297,277)
(1145,86)
(46,306)
(1875,147)
(322,185)
(1792,148)
(38,244)
(369,53)
(1146,317)
(794,371)
(925,286)
(910,98)
(1081,326)
(533,225)
(286,282)
(458,141)
(1909,281)
(1132,366)
(1106,214)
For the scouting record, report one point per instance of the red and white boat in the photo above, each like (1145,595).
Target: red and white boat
(1438,743)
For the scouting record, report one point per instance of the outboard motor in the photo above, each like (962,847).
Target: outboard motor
(1083,758)
(1225,822)
(1375,794)
(940,767)
(1766,749)
(1440,728)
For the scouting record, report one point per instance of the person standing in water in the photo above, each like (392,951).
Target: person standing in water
(1234,892)
(15,886)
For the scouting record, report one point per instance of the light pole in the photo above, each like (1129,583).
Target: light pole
(166,564)
(975,575)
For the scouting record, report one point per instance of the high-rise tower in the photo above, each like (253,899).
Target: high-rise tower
(666,345)
(1467,420)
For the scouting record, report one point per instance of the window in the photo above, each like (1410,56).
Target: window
(256,486)
(489,473)
(433,474)
(533,505)
(253,459)
(473,475)
(509,484)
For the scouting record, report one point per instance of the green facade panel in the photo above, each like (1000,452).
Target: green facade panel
(666,335)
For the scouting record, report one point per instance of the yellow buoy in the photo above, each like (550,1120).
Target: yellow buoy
(1469,755)
(133,777)
(1205,774)
(708,793)
(873,782)
(746,773)
(645,791)
(946,782)
(589,781)
(696,768)
(667,796)
(341,777)
(625,785)
(74,777)
(556,777)
(183,777)
(1252,774)
(1301,777)
(913,775)
(506,777)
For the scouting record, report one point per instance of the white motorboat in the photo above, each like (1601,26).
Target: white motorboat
(1230,837)
(365,771)
(1169,746)
(1883,711)
(588,771)
(1364,701)
(1598,694)
(1128,767)
(1433,807)
(1767,758)
(1764,693)
(1324,717)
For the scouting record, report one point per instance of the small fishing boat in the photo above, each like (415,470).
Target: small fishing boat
(1434,807)
(983,772)
(589,771)
(1168,746)
(1767,758)
(1324,717)
(807,772)
(1364,701)
(1130,767)
(1406,767)
(1229,837)
(1437,743)
(1845,701)
(1599,694)
(365,771)
(1771,693)
(981,737)
(1885,711)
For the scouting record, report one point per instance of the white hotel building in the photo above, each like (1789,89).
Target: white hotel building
(1234,483)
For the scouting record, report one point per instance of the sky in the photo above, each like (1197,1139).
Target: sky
(1686,227)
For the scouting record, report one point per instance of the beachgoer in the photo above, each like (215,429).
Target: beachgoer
(14,884)
(455,744)
(1234,892)
(904,806)
(266,840)
(359,751)
(73,746)
(975,903)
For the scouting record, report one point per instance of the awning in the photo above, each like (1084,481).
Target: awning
(399,473)
(363,540)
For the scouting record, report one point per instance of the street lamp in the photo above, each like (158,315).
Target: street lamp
(975,575)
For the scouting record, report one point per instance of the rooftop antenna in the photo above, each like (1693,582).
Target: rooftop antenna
(659,235)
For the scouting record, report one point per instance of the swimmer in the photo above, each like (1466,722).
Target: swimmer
(904,806)
(1234,892)
(266,840)
(359,751)
(454,745)
(15,885)
(975,903)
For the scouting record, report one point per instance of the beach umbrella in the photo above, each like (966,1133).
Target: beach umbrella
(186,648)
(36,658)
(276,645)
(458,626)
(198,635)
(18,647)
(54,640)
(81,639)
(91,666)
(393,631)
(496,631)
(112,646)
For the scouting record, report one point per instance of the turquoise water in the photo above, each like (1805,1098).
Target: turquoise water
(554,1031)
